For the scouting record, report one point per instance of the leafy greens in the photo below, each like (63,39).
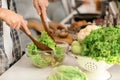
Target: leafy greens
(103,44)
(41,60)
(67,73)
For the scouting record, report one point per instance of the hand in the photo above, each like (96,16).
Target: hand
(14,20)
(40,6)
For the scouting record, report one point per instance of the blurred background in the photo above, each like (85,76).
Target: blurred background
(103,12)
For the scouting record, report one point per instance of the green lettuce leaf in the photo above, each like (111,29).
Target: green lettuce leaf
(103,44)
(67,73)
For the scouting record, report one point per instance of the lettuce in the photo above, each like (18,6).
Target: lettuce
(43,58)
(103,44)
(67,73)
(46,39)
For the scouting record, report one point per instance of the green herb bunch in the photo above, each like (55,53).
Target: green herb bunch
(103,44)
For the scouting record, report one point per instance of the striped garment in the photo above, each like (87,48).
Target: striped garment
(16,52)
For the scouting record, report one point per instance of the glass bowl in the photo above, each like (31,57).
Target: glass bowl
(47,58)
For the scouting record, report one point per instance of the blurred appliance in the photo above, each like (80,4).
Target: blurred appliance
(77,15)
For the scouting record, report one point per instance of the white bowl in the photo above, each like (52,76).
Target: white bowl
(95,70)
(92,65)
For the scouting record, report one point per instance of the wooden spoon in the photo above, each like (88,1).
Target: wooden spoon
(46,26)
(40,45)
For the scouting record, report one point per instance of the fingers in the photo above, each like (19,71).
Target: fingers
(14,20)
(18,23)
(36,5)
(41,6)
(24,25)
(44,7)
(45,2)
(44,13)
(21,23)
(17,26)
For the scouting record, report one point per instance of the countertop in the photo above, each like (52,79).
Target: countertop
(25,70)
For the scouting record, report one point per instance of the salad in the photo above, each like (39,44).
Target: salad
(45,58)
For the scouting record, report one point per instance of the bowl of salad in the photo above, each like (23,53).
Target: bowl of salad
(46,58)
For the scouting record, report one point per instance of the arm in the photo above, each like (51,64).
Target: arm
(12,19)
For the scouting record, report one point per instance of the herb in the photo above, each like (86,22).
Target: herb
(103,44)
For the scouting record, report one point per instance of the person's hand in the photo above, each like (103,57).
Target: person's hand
(14,20)
(40,6)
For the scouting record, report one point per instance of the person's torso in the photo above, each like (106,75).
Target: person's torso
(6,37)
(9,39)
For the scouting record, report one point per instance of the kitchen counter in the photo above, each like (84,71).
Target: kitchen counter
(24,70)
